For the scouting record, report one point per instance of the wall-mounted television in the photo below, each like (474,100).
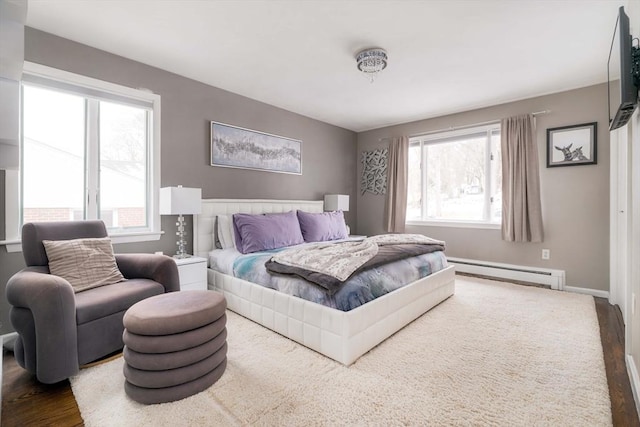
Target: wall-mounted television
(629,56)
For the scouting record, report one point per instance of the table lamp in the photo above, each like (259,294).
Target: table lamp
(337,202)
(180,201)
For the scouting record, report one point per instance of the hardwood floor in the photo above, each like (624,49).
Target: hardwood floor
(623,408)
(29,403)
(26,402)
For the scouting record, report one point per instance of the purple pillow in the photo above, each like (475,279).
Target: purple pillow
(320,227)
(262,232)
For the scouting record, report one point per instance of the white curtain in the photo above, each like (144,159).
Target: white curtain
(521,208)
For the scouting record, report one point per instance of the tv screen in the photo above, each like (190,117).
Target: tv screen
(621,61)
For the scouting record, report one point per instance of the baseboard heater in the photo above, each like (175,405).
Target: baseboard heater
(543,276)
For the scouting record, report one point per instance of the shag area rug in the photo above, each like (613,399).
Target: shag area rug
(493,354)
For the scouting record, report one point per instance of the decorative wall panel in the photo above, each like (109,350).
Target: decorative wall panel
(374,171)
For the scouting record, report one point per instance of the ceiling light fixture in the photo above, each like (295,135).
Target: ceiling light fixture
(371,62)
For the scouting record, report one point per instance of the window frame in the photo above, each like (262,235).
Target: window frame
(439,137)
(109,91)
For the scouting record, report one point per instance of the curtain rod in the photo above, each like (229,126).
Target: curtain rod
(488,122)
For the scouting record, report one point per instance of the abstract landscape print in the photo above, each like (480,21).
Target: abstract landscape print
(237,147)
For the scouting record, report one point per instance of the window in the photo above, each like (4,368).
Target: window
(456,177)
(90,150)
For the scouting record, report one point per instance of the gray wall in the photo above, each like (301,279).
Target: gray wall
(329,152)
(575,200)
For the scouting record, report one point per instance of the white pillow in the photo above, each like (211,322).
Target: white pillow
(216,238)
(225,231)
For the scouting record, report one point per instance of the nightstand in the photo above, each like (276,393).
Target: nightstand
(193,273)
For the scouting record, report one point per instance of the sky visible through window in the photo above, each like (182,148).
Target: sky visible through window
(454,179)
(55,155)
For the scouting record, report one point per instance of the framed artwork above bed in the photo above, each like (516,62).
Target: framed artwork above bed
(236,147)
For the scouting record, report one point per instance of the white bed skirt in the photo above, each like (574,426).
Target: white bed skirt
(341,335)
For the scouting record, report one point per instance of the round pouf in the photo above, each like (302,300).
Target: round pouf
(175,345)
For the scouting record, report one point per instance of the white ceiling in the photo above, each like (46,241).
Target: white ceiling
(444,56)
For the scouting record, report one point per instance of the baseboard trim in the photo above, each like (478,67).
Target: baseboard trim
(587,291)
(542,276)
(634,379)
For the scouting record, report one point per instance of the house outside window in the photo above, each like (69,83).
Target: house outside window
(89,150)
(455,178)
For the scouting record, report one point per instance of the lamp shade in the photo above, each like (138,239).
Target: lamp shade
(180,201)
(336,202)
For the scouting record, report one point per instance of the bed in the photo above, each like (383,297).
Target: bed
(343,336)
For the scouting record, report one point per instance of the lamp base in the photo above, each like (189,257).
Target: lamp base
(182,242)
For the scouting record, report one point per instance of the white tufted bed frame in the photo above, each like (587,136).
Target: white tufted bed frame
(342,336)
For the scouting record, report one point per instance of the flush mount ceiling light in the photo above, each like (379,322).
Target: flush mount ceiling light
(371,62)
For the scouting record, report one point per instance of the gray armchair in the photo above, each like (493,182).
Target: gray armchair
(59,330)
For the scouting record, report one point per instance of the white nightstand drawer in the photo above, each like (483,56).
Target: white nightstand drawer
(195,286)
(192,272)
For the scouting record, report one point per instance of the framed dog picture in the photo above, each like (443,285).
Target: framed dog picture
(572,145)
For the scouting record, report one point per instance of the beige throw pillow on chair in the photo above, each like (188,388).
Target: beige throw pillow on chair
(85,263)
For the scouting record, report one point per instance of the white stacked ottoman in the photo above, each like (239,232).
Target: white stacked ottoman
(175,345)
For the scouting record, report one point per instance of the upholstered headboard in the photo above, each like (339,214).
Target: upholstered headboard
(203,223)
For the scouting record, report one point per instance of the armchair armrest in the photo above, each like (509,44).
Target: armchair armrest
(51,301)
(159,268)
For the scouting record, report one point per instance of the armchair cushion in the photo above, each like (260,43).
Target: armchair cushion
(106,300)
(85,263)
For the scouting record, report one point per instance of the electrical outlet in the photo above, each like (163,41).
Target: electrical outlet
(546,254)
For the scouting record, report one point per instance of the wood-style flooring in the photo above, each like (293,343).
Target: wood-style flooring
(623,408)
(25,402)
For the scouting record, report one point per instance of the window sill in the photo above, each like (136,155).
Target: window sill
(148,236)
(456,224)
